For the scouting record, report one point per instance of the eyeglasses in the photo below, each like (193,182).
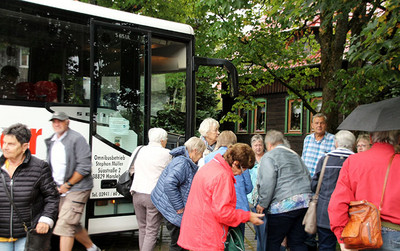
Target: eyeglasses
(359,146)
(241,169)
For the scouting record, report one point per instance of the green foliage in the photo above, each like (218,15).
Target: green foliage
(265,39)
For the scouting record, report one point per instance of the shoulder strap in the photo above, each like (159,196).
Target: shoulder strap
(321,176)
(133,160)
(385,182)
(12,201)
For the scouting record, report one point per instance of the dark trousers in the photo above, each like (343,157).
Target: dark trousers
(287,224)
(174,233)
(326,239)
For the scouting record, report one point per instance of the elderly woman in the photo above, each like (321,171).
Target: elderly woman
(258,146)
(209,134)
(361,178)
(151,160)
(243,185)
(344,143)
(31,186)
(284,190)
(363,143)
(211,206)
(172,189)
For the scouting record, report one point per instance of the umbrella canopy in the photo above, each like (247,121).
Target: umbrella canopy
(374,117)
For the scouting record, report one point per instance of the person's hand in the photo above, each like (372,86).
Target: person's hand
(256,218)
(42,228)
(346,249)
(63,188)
(259,209)
(180,211)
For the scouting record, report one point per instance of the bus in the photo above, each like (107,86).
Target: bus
(115,74)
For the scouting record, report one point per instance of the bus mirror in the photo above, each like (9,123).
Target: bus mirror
(233,79)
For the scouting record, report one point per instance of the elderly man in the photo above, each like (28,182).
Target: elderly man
(69,156)
(148,166)
(344,142)
(318,143)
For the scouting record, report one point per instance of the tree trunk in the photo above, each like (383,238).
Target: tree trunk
(333,39)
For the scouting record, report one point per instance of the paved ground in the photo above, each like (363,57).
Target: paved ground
(128,241)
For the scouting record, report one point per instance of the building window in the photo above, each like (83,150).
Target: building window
(243,127)
(260,117)
(317,103)
(294,116)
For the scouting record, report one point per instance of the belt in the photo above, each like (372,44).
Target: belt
(390,225)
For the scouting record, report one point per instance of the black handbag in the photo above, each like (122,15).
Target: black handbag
(125,180)
(34,241)
(37,242)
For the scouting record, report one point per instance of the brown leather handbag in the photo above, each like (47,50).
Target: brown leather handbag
(363,230)
(364,227)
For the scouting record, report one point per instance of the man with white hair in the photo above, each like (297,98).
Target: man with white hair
(344,143)
(69,157)
(148,166)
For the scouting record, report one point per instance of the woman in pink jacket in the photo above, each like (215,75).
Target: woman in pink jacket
(210,208)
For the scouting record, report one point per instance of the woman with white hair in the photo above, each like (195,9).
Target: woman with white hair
(172,189)
(344,143)
(150,161)
(209,131)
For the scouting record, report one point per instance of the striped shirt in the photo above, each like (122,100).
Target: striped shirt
(313,149)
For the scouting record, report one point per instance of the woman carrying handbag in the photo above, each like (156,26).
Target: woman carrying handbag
(362,178)
(344,143)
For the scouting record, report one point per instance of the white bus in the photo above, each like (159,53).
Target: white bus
(115,74)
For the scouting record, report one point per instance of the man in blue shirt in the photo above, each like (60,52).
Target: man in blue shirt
(318,143)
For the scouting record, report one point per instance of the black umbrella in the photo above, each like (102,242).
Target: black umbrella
(374,117)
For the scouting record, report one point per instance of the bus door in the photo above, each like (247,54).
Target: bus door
(118,119)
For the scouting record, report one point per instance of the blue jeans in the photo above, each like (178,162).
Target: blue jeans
(18,245)
(391,241)
(287,224)
(261,232)
(326,239)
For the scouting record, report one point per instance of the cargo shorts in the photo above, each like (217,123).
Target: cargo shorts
(70,213)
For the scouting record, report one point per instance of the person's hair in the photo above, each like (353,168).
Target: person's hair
(157,134)
(345,139)
(20,131)
(226,138)
(391,137)
(363,136)
(319,115)
(256,138)
(274,137)
(207,125)
(195,143)
(242,153)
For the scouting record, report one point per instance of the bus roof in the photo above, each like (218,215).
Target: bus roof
(122,16)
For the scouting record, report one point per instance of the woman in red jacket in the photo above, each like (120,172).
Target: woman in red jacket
(210,208)
(361,178)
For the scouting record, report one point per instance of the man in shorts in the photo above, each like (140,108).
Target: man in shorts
(69,156)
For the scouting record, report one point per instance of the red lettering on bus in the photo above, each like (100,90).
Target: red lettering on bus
(32,144)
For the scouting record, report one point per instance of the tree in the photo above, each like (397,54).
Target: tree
(343,24)
(358,44)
